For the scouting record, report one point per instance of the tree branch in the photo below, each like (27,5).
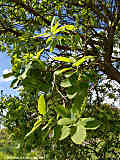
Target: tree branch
(31,10)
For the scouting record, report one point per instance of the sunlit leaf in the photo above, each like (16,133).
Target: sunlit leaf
(62,71)
(82,60)
(60,29)
(24,74)
(65,132)
(80,135)
(39,53)
(70,27)
(48,40)
(54,27)
(52,23)
(41,105)
(71,96)
(66,83)
(63,59)
(65,121)
(44,35)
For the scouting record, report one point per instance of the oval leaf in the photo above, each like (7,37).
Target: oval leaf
(41,105)
(80,135)
(65,132)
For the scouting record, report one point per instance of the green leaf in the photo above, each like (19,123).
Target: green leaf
(52,23)
(64,28)
(14,83)
(63,59)
(49,122)
(48,41)
(60,109)
(69,74)
(71,96)
(24,74)
(54,27)
(52,47)
(61,71)
(82,60)
(93,125)
(66,83)
(57,132)
(65,121)
(41,105)
(90,123)
(45,35)
(60,29)
(70,27)
(39,53)
(80,135)
(84,121)
(7,75)
(38,122)
(84,104)
(65,132)
(36,125)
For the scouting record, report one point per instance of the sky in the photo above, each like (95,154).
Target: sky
(5,67)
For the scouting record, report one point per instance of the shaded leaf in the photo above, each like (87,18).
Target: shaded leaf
(14,83)
(60,109)
(7,75)
(36,125)
(57,132)
(90,123)
(93,125)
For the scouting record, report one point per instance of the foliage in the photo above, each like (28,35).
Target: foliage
(102,143)
(60,52)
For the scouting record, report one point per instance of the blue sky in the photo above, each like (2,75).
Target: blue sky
(5,66)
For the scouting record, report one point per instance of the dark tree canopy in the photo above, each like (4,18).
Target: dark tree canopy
(97,29)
